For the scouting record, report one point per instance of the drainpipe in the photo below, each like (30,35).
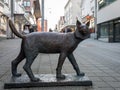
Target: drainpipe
(42,24)
(95,20)
(12,15)
(8,31)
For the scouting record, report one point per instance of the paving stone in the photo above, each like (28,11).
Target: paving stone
(117,88)
(117,78)
(91,74)
(107,79)
(101,74)
(102,84)
(106,89)
(97,79)
(114,84)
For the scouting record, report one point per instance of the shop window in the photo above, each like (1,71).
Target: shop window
(2,25)
(117,32)
(104,30)
(111,29)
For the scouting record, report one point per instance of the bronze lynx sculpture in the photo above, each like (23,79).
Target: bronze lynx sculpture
(46,42)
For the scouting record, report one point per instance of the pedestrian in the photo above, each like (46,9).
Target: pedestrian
(67,30)
(50,30)
(25,30)
(31,29)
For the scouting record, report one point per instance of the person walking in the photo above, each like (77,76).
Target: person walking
(25,30)
(50,30)
(31,29)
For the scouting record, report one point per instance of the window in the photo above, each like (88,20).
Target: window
(103,3)
(26,3)
(104,30)
(6,1)
(110,1)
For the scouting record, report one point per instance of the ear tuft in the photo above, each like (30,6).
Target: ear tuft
(78,22)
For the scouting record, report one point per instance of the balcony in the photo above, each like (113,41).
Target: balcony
(4,9)
(19,14)
(19,9)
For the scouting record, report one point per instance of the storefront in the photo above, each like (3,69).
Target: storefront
(110,30)
(3,24)
(116,32)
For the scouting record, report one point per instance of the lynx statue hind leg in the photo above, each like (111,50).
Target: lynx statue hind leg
(30,57)
(15,63)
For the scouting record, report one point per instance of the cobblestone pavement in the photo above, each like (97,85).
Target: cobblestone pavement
(99,60)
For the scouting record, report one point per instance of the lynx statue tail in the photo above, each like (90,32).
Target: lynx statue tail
(14,30)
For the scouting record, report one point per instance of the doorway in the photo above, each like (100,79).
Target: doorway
(117,32)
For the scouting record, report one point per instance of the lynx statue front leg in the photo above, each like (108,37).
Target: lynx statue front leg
(74,64)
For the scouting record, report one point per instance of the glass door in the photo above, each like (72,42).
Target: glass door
(117,32)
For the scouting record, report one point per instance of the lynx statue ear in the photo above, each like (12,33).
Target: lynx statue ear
(78,23)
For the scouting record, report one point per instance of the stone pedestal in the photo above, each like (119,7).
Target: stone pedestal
(47,80)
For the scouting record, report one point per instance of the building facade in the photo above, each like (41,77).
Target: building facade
(108,20)
(39,27)
(72,11)
(32,11)
(5,6)
(104,18)
(61,23)
(88,14)
(21,12)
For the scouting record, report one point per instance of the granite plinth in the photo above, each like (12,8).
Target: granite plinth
(47,80)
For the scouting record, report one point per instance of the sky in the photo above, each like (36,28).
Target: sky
(53,10)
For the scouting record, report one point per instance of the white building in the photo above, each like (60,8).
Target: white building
(61,23)
(108,20)
(72,11)
(87,7)
(104,18)
(88,12)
